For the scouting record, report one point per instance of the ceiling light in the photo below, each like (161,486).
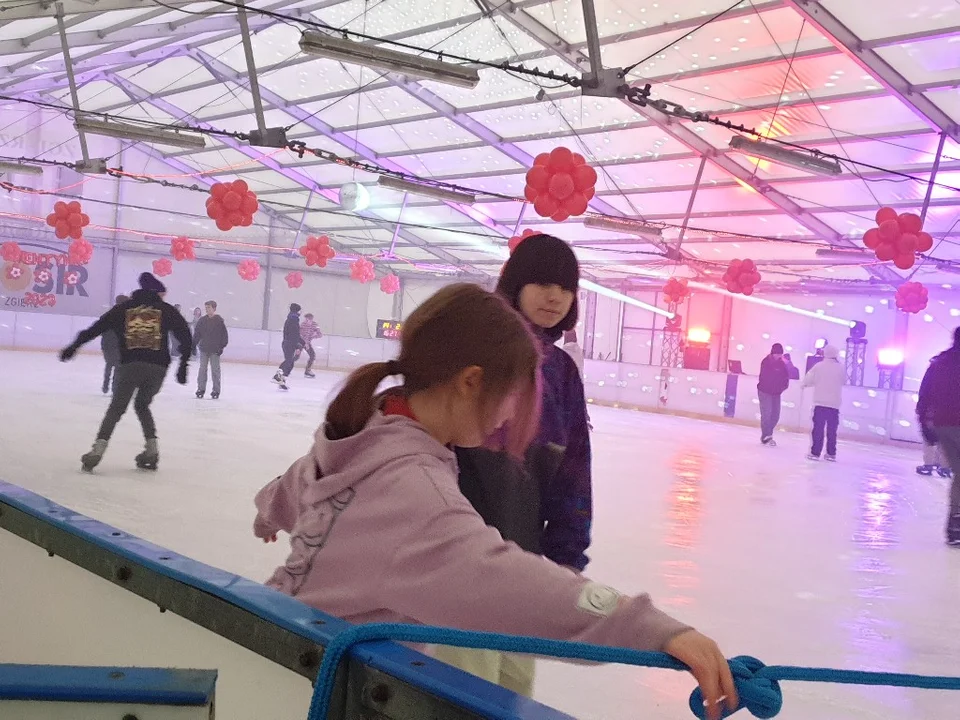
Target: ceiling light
(357,53)
(623,225)
(141,133)
(792,158)
(430,191)
(18,167)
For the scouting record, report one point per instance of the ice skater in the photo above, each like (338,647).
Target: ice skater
(291,344)
(110,347)
(826,378)
(309,331)
(382,534)
(210,337)
(939,409)
(143,325)
(774,380)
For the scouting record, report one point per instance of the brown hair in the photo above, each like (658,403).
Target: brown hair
(211,303)
(459,327)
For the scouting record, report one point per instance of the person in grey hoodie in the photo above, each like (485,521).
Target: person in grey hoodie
(379,531)
(826,378)
(210,337)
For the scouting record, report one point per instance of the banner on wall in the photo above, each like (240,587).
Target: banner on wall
(42,280)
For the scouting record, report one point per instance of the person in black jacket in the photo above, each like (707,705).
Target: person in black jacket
(210,337)
(292,344)
(774,379)
(110,347)
(142,324)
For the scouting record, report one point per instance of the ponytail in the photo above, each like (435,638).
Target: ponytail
(356,403)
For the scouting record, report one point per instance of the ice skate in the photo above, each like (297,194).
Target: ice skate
(926,470)
(831,458)
(91,459)
(150,457)
(199,395)
(945,472)
(953,530)
(811,456)
(282,383)
(309,374)
(278,377)
(214,396)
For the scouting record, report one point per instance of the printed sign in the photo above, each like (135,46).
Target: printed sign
(42,279)
(389,329)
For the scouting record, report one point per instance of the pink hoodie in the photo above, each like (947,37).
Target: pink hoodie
(384,535)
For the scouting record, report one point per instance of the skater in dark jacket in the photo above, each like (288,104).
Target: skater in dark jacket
(143,325)
(938,408)
(292,343)
(774,380)
(545,505)
(110,347)
(210,337)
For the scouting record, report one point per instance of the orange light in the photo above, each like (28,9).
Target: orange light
(698,335)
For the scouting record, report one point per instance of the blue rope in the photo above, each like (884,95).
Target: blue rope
(757,684)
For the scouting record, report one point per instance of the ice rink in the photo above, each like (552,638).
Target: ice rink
(790,561)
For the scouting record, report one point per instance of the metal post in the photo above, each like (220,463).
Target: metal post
(396,229)
(68,66)
(267,289)
(589,321)
(726,325)
(523,210)
(933,177)
(118,199)
(303,217)
(251,68)
(693,197)
(593,37)
(623,309)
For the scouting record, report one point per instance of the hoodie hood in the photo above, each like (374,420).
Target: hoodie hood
(830,352)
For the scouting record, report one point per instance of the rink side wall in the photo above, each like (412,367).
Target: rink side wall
(76,592)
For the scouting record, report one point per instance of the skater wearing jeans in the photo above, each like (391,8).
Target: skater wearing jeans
(292,343)
(143,324)
(939,409)
(774,379)
(309,331)
(826,378)
(210,337)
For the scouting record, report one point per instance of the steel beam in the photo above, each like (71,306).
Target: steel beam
(685,135)
(933,177)
(871,61)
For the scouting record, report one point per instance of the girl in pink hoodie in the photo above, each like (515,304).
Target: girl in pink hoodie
(379,531)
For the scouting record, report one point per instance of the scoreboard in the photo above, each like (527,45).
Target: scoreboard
(389,329)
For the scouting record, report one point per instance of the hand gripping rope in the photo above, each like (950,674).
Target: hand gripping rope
(758,685)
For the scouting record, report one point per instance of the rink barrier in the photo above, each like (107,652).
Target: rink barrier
(392,683)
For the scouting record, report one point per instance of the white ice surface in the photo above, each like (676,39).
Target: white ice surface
(793,562)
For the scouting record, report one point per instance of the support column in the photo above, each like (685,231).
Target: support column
(251,68)
(726,326)
(589,322)
(72,81)
(267,285)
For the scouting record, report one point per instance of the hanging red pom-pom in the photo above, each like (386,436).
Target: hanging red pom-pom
(10,252)
(560,185)
(294,279)
(676,290)
(162,267)
(249,269)
(183,248)
(362,270)
(232,205)
(517,239)
(742,277)
(68,220)
(317,251)
(80,252)
(390,284)
(912,297)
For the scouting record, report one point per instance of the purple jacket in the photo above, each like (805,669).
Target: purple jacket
(939,400)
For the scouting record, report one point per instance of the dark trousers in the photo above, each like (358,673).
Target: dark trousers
(769,414)
(289,358)
(825,418)
(311,356)
(949,437)
(137,378)
(109,375)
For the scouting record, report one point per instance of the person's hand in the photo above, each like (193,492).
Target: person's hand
(263,531)
(182,374)
(67,353)
(710,668)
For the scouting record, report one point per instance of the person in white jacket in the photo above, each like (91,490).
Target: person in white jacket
(826,378)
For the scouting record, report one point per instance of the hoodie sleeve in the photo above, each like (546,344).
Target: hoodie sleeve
(810,379)
(181,331)
(453,570)
(278,503)
(112,320)
(924,398)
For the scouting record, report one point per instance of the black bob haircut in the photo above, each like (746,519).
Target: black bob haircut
(542,260)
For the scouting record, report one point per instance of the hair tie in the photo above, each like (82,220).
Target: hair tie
(393,368)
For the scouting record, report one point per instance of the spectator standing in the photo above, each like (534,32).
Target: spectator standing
(210,337)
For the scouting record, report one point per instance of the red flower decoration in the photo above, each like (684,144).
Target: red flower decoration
(232,205)
(676,290)
(517,239)
(68,220)
(249,269)
(741,277)
(42,276)
(71,278)
(898,238)
(317,251)
(182,248)
(294,279)
(162,267)
(10,252)
(80,252)
(362,271)
(14,272)
(560,184)
(390,284)
(912,297)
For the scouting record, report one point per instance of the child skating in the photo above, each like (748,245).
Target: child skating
(143,325)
